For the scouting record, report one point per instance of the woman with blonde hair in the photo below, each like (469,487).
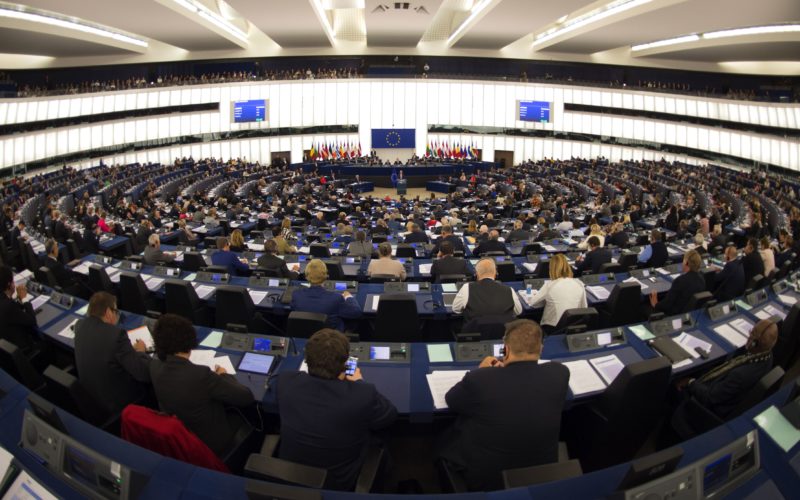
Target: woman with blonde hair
(562,292)
(286,229)
(237,241)
(185,235)
(594,230)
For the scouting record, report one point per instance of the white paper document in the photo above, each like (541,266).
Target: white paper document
(733,336)
(373,304)
(742,326)
(304,250)
(203,291)
(769,311)
(608,367)
(224,362)
(582,378)
(530,266)
(690,342)
(21,278)
(600,292)
(39,301)
(549,248)
(440,382)
(257,296)
(425,268)
(142,333)
(82,268)
(787,299)
(113,274)
(69,331)
(202,357)
(153,283)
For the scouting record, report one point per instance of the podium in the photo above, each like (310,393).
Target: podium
(402,186)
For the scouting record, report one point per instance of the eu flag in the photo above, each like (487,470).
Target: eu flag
(383,138)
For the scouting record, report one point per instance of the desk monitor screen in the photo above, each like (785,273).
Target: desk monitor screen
(449,288)
(274,282)
(216,277)
(380,353)
(349,260)
(24,486)
(500,259)
(256,363)
(413,287)
(716,473)
(340,286)
(401,260)
(262,345)
(603,338)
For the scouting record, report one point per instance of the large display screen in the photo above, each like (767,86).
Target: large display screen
(250,111)
(534,111)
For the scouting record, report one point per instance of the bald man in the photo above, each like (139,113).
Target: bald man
(722,389)
(486,297)
(493,244)
(729,282)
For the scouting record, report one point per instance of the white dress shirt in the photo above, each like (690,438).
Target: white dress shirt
(558,296)
(462,297)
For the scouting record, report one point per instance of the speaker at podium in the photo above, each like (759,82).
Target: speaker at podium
(402,186)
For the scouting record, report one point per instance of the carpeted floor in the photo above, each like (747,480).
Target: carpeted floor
(410,194)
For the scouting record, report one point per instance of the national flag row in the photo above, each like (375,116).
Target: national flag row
(444,149)
(335,151)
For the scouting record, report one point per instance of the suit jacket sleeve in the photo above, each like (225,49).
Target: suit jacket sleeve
(350,308)
(675,291)
(227,389)
(20,314)
(136,364)
(383,412)
(460,397)
(719,391)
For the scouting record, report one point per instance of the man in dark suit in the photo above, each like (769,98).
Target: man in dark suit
(316,299)
(61,232)
(18,318)
(496,405)
(19,232)
(112,371)
(91,239)
(416,235)
(447,235)
(493,244)
(683,288)
(752,263)
(548,233)
(224,257)
(154,255)
(196,394)
(594,258)
(518,233)
(319,221)
(62,275)
(729,282)
(718,239)
(446,263)
(619,237)
(655,254)
(143,233)
(277,266)
(327,417)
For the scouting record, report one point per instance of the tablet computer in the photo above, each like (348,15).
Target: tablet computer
(253,362)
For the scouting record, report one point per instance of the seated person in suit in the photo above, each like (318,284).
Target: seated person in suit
(327,417)
(91,239)
(721,390)
(518,233)
(114,372)
(277,266)
(594,258)
(153,253)
(416,235)
(185,235)
(493,244)
(683,287)
(655,254)
(446,263)
(752,263)
(561,293)
(19,320)
(319,221)
(319,300)
(224,257)
(486,297)
(210,220)
(618,237)
(729,282)
(509,411)
(143,234)
(700,244)
(60,272)
(195,394)
(718,239)
(447,235)
(384,264)
(360,247)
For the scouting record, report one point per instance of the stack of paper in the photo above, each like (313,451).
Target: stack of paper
(304,249)
(39,301)
(113,274)
(730,334)
(742,326)
(530,266)
(21,278)
(634,280)
(82,268)
(440,382)
(582,378)
(769,311)
(257,296)
(550,248)
(600,292)
(69,331)
(205,357)
(690,343)
(212,340)
(787,299)
(608,367)
(425,268)
(203,291)
(153,283)
(142,333)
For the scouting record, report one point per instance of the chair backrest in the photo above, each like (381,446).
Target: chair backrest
(632,405)
(166,434)
(586,316)
(766,385)
(46,277)
(210,242)
(451,278)
(133,292)
(527,476)
(628,260)
(335,270)
(405,250)
(181,299)
(304,324)
(319,250)
(698,300)
(215,269)
(622,304)
(535,248)
(506,271)
(234,305)
(786,349)
(756,281)
(383,278)
(611,267)
(99,280)
(66,392)
(193,262)
(490,327)
(14,362)
(543,269)
(397,318)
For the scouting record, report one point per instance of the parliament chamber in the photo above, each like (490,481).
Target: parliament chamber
(479,274)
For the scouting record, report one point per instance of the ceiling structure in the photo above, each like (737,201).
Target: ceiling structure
(680,34)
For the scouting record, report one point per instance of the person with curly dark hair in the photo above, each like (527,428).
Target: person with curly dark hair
(195,394)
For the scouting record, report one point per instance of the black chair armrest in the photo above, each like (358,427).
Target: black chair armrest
(270,444)
(284,471)
(370,469)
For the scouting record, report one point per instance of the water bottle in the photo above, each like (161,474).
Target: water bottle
(529,289)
